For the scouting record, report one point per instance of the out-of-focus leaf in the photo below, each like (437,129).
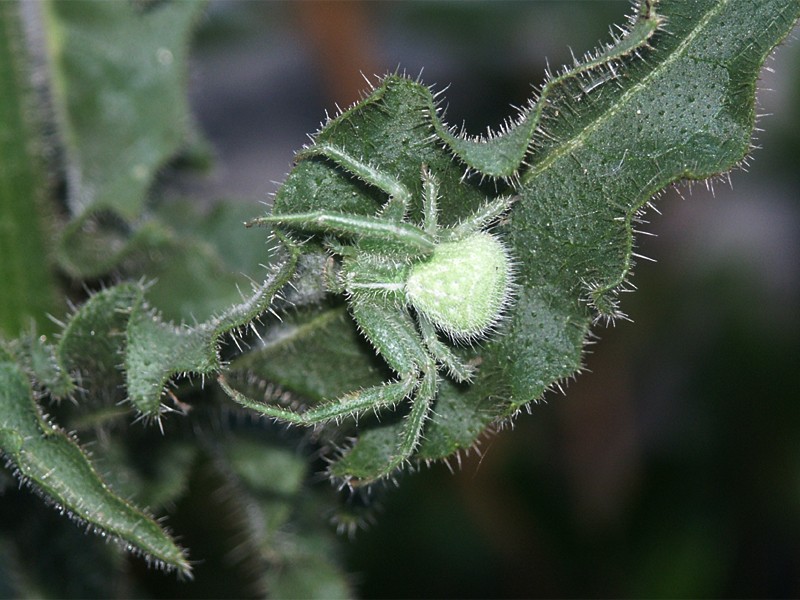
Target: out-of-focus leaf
(119,73)
(10,584)
(255,526)
(151,468)
(27,286)
(118,77)
(209,263)
(290,528)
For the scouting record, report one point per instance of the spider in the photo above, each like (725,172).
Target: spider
(404,284)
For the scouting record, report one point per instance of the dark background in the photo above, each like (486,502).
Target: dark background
(673,467)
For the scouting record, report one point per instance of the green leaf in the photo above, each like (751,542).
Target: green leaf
(93,341)
(113,328)
(255,525)
(198,267)
(118,77)
(55,465)
(671,100)
(291,531)
(503,154)
(315,354)
(41,360)
(27,285)
(116,327)
(147,466)
(208,263)
(684,112)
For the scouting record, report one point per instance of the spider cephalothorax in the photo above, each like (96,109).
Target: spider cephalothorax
(405,283)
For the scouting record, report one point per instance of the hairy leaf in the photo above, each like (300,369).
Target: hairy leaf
(671,100)
(114,329)
(503,154)
(115,334)
(56,466)
(114,343)
(684,112)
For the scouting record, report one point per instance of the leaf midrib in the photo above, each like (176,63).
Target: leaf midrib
(580,138)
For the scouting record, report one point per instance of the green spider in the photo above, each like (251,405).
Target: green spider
(403,282)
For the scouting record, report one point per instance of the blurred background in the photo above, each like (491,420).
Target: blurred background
(673,467)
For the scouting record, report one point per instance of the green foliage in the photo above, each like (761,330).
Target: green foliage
(119,75)
(651,110)
(28,288)
(671,99)
(684,112)
(118,79)
(51,461)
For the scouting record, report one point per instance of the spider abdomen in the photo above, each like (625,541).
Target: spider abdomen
(463,286)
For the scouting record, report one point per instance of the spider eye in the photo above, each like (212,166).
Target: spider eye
(464,286)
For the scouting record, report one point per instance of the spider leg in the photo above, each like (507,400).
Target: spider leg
(480,219)
(391,331)
(353,404)
(399,196)
(405,235)
(414,422)
(459,371)
(394,336)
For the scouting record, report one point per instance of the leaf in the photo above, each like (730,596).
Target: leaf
(290,530)
(92,343)
(503,154)
(148,466)
(671,100)
(40,359)
(27,291)
(55,465)
(255,525)
(684,112)
(118,73)
(315,354)
(209,259)
(116,327)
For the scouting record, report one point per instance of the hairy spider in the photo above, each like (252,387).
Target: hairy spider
(403,282)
